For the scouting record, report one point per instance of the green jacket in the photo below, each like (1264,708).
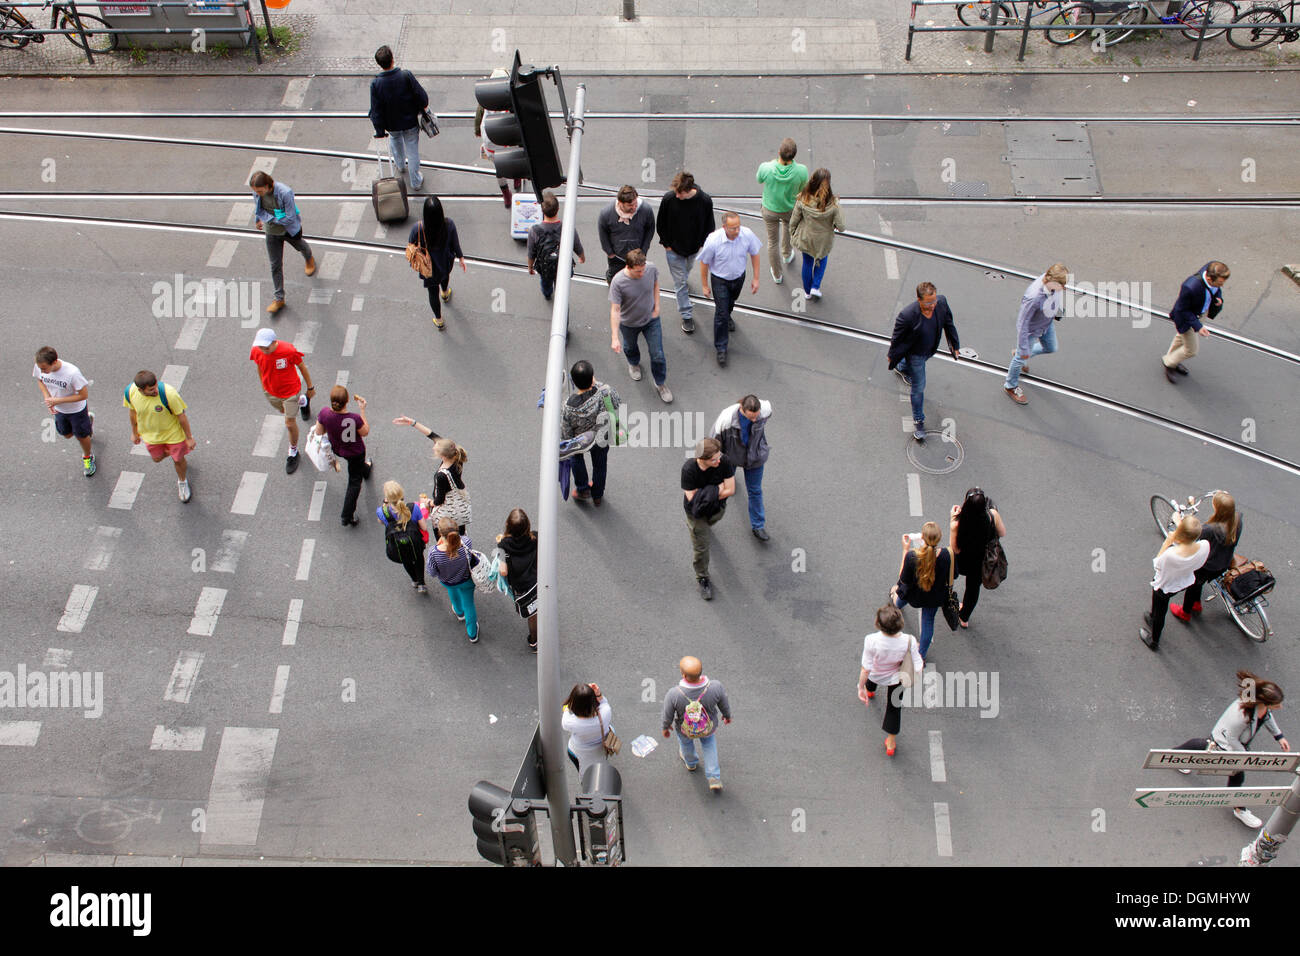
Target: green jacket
(812,230)
(781,184)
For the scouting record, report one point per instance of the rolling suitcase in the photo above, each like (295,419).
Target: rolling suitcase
(388,193)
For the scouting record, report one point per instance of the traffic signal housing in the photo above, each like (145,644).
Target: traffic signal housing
(522,121)
(506,837)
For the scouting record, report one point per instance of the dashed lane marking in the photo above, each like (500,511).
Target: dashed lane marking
(381,231)
(350,338)
(291,623)
(368,269)
(907,423)
(331,265)
(891,255)
(78,608)
(317,501)
(279,131)
(281,685)
(222,254)
(185,674)
(101,548)
(238,789)
(191,333)
(357,302)
(304,559)
(937,772)
(268,440)
(228,555)
(320,297)
(308,333)
(914,494)
(57,657)
(249,493)
(943,829)
(127,487)
(241,214)
(177,738)
(342,377)
(206,612)
(349,220)
(19,733)
(295,93)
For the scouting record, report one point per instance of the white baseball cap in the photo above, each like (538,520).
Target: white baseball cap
(264,338)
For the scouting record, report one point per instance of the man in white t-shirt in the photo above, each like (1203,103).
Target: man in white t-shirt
(66,392)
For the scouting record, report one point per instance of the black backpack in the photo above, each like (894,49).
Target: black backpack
(404,543)
(546,253)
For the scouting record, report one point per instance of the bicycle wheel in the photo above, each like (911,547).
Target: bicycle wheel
(1121,25)
(1259,28)
(99,41)
(979,14)
(13,20)
(1250,617)
(1162,509)
(1207,11)
(1069,23)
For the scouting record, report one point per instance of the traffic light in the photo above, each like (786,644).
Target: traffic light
(505,836)
(600,816)
(522,121)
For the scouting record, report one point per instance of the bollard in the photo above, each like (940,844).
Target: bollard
(994,8)
(629,9)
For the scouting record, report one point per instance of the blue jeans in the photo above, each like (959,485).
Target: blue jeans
(754,493)
(927,625)
(599,464)
(708,750)
(654,344)
(725,294)
(914,367)
(462,602)
(548,287)
(813,270)
(680,267)
(405,144)
(1044,344)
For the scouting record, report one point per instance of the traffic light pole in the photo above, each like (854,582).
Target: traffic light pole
(549,695)
(1264,849)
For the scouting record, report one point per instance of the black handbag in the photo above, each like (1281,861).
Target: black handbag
(951,606)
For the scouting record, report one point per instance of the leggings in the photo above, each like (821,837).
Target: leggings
(415,568)
(971,596)
(435,302)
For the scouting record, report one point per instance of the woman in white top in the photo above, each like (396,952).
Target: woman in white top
(1176,564)
(586,718)
(882,657)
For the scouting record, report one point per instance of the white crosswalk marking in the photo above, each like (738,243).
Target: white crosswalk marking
(227,556)
(914,495)
(350,338)
(127,487)
(291,623)
(357,302)
(937,772)
(222,254)
(349,219)
(191,333)
(184,676)
(268,440)
(19,733)
(381,231)
(308,333)
(317,501)
(368,269)
(101,548)
(891,255)
(241,214)
(177,738)
(304,559)
(295,93)
(262,164)
(342,377)
(281,685)
(78,608)
(331,265)
(908,424)
(249,493)
(57,657)
(279,131)
(943,829)
(320,297)
(206,611)
(238,789)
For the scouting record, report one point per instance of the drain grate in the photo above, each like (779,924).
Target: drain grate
(968,190)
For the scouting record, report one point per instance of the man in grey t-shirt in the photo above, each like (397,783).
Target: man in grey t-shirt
(633,311)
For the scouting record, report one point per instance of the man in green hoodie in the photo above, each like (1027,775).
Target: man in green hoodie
(782,178)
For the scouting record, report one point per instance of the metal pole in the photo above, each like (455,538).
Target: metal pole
(266,17)
(1274,833)
(1024,33)
(993,22)
(549,697)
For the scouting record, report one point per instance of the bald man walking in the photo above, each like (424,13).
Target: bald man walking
(694,708)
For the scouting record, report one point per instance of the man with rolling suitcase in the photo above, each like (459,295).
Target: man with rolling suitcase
(396,101)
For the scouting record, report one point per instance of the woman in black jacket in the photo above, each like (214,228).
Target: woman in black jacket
(975,522)
(519,544)
(1223,531)
(436,234)
(923,579)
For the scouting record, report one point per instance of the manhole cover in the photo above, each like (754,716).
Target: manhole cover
(936,455)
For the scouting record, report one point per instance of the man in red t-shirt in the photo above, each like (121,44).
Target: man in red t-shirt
(278,366)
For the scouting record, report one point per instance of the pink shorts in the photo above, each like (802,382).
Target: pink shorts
(175,452)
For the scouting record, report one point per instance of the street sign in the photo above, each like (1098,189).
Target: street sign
(1220,761)
(1215,797)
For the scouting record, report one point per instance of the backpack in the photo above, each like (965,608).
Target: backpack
(546,253)
(404,542)
(696,721)
(162,396)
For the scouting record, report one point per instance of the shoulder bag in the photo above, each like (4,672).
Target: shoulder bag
(994,569)
(417,254)
(951,606)
(455,506)
(610,739)
(907,669)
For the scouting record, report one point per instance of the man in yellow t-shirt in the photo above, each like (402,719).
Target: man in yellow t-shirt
(158,419)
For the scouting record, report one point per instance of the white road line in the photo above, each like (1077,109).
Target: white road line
(191,332)
(101,548)
(943,829)
(349,220)
(366,174)
(937,772)
(279,131)
(305,340)
(331,265)
(238,788)
(304,559)
(241,214)
(281,685)
(357,302)
(174,375)
(222,253)
(185,675)
(907,423)
(891,255)
(904,396)
(381,231)
(249,493)
(350,338)
(320,297)
(227,557)
(127,487)
(78,608)
(291,623)
(342,377)
(262,164)
(914,494)
(177,738)
(19,733)
(295,93)
(368,269)
(268,440)
(206,611)
(57,657)
(317,501)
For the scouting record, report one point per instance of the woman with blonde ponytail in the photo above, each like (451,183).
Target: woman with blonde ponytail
(923,578)
(450,499)
(396,513)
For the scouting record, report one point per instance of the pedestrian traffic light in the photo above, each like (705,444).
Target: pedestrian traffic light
(600,816)
(505,835)
(522,121)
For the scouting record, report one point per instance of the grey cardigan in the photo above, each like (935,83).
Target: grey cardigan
(1235,730)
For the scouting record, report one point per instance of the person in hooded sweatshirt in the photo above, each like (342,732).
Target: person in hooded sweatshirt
(782,178)
(816,217)
(1035,331)
(625,224)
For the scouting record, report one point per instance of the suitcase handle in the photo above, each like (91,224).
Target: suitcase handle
(382,155)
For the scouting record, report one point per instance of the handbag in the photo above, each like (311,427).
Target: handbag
(951,606)
(612,744)
(418,256)
(994,569)
(455,506)
(428,120)
(566,476)
(616,436)
(907,669)
(320,452)
(479,572)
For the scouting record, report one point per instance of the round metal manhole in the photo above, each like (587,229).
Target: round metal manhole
(936,455)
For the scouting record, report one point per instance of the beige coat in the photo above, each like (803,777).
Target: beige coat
(812,230)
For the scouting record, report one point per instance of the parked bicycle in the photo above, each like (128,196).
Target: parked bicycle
(17,31)
(1068,18)
(1192,14)
(1243,597)
(1260,27)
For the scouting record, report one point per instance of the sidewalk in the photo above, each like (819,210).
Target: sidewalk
(669,36)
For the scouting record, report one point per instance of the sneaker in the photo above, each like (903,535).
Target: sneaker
(722,359)
(790,257)
(715,784)
(706,589)
(445,296)
(690,768)
(1196,607)
(88,465)
(1177,611)
(275,306)
(762,535)
(775,278)
(459,617)
(1248,818)
(918,431)
(688,326)
(439,323)
(183,489)
(474,639)
(665,393)
(1016,394)
(291,464)
(1145,634)
(635,372)
(310,267)
(898,370)
(814,293)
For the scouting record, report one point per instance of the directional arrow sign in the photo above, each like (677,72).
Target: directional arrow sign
(1216,797)
(1220,761)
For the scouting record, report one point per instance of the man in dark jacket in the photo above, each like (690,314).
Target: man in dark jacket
(1198,296)
(740,429)
(684,222)
(396,101)
(625,224)
(708,480)
(915,339)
